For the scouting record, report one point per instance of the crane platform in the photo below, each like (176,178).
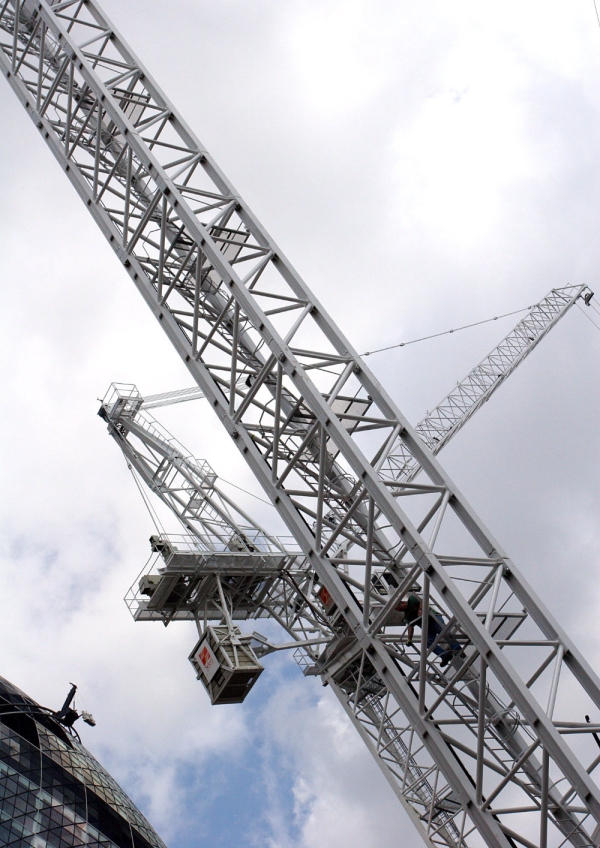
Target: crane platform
(183,581)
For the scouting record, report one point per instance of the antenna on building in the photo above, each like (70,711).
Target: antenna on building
(67,715)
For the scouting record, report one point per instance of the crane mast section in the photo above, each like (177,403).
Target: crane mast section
(235,310)
(469,395)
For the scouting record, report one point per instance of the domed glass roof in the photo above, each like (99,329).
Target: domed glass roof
(53,792)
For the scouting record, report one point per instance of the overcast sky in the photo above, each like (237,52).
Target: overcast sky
(424,165)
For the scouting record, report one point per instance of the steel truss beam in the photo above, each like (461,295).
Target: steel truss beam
(469,395)
(186,485)
(316,428)
(177,396)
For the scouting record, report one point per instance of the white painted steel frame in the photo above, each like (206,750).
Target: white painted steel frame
(312,415)
(457,407)
(162,463)
(166,468)
(176,396)
(469,395)
(186,485)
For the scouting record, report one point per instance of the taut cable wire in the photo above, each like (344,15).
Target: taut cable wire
(446,332)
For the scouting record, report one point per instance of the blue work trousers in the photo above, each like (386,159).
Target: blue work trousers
(435,625)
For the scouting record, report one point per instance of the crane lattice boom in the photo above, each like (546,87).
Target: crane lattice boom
(453,412)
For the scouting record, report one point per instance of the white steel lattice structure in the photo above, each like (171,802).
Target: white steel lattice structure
(177,396)
(216,525)
(453,412)
(493,752)
(456,408)
(187,485)
(187,584)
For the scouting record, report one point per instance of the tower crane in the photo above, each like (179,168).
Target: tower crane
(188,487)
(189,583)
(492,752)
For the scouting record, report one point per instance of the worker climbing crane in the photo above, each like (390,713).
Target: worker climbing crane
(495,766)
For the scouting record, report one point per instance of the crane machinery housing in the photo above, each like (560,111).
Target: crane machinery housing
(483,750)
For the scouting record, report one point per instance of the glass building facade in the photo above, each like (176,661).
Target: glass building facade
(53,792)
